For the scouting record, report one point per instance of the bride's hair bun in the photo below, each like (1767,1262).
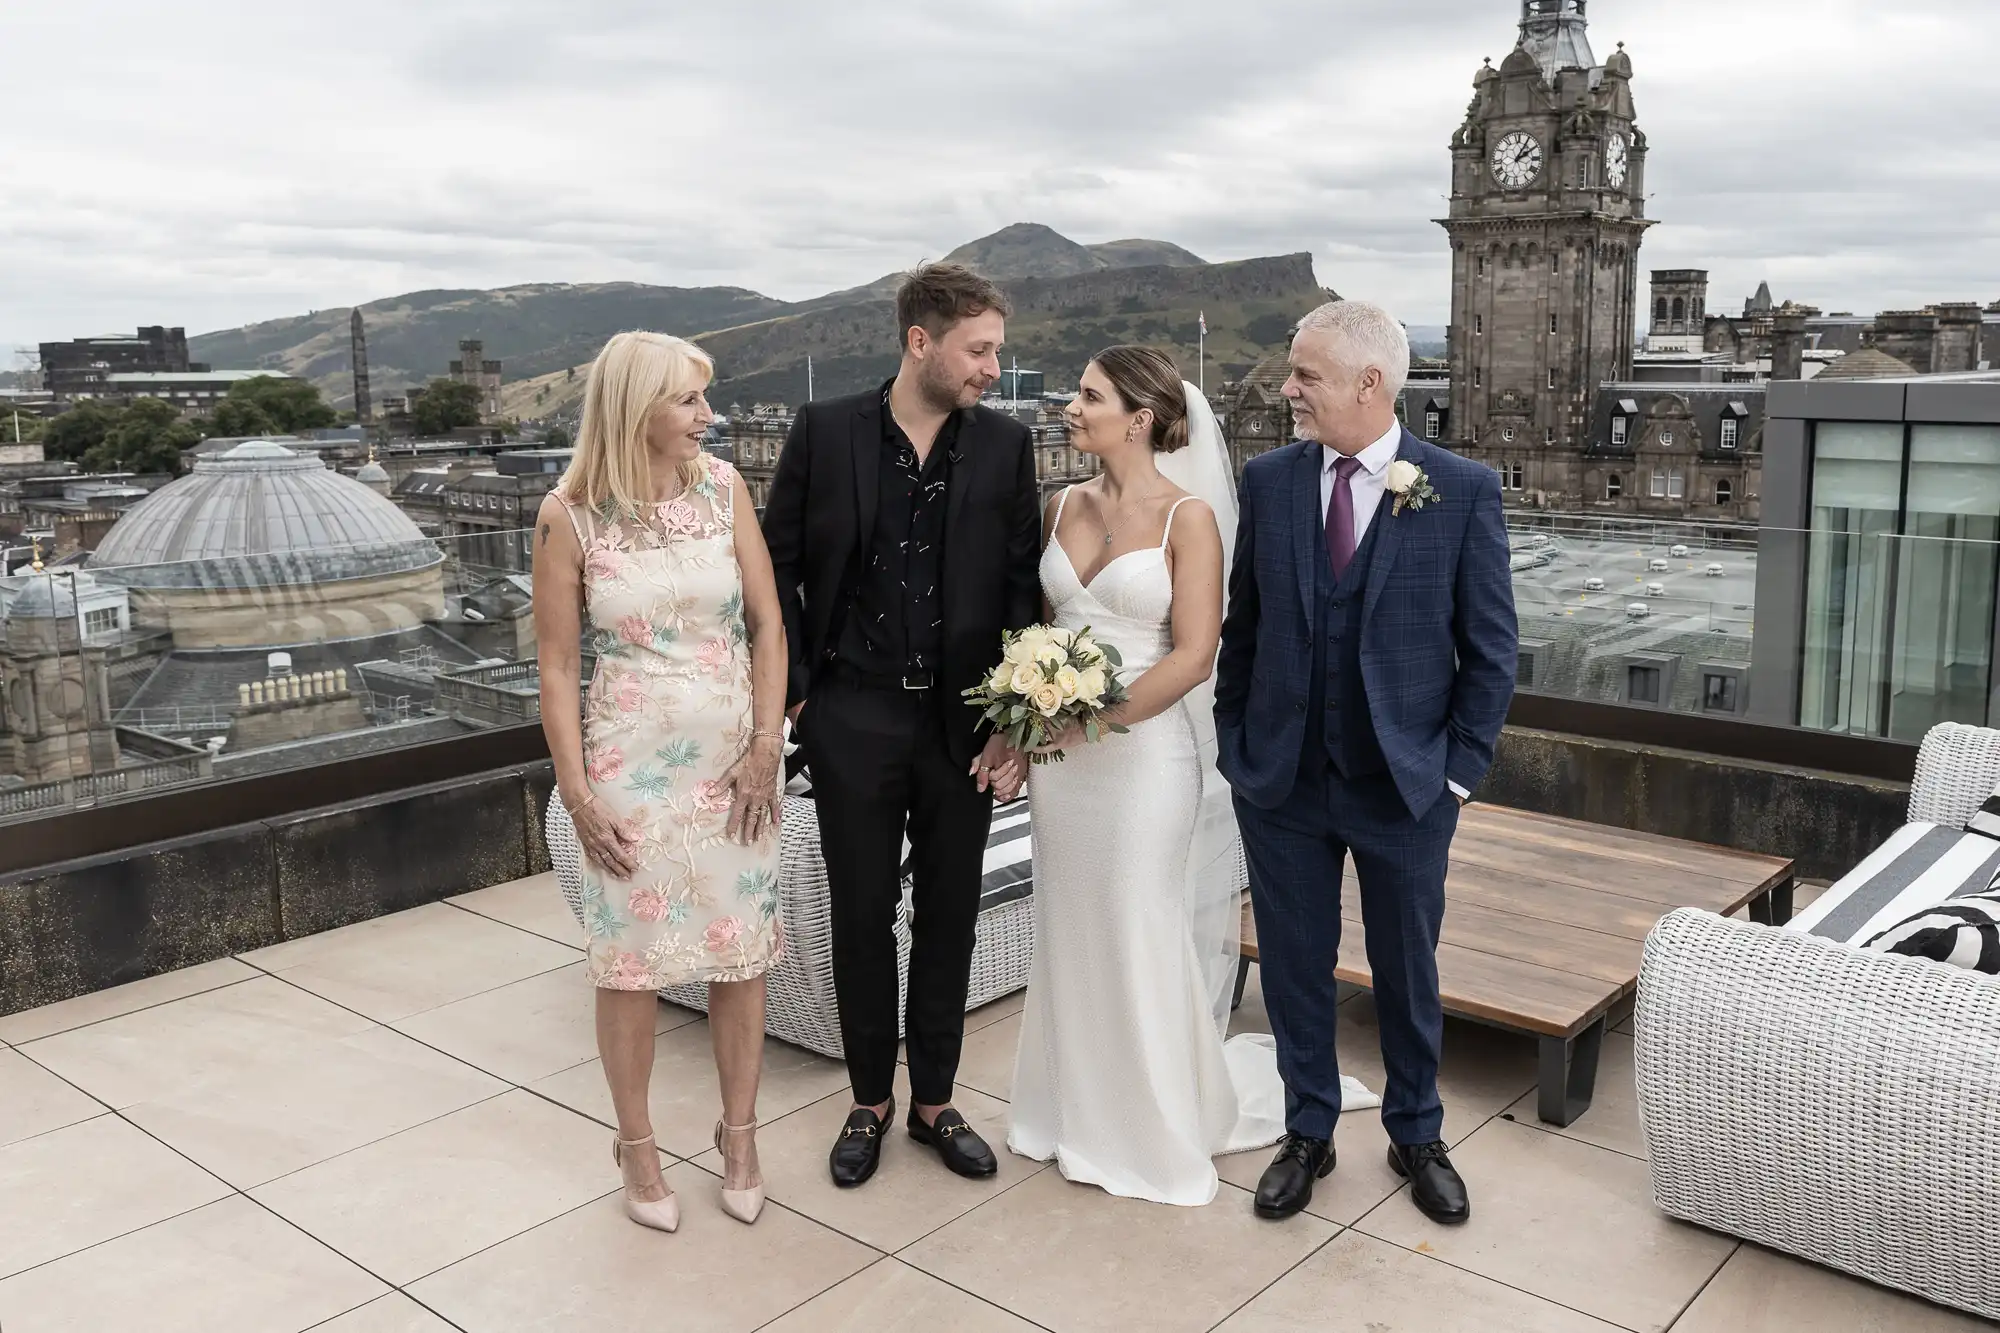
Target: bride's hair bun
(1146,377)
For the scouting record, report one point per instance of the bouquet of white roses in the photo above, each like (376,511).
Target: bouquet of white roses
(1047,679)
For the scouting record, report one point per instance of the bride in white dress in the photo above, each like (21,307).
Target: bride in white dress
(1123,1077)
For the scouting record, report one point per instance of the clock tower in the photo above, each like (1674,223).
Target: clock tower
(1547,211)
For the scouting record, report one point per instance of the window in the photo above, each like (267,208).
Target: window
(1620,426)
(1720,692)
(1431,425)
(1666,439)
(101,621)
(1555,261)
(1514,476)
(1507,434)
(1673,485)
(1725,492)
(1479,323)
(1548,435)
(1482,266)
(1642,684)
(1660,311)
(1680,310)
(1614,486)
(1729,429)
(1552,377)
(1552,323)
(1659,485)
(1478,377)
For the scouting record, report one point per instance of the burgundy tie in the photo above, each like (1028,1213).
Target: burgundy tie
(1340,516)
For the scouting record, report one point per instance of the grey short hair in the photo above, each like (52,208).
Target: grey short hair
(1364,335)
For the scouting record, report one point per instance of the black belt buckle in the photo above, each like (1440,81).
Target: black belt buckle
(920,681)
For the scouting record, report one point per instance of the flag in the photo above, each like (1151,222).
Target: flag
(1203,318)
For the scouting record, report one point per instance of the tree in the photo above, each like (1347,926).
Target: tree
(555,438)
(289,405)
(148,436)
(241,416)
(76,432)
(445,406)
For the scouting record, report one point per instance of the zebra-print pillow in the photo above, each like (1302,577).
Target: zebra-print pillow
(1964,932)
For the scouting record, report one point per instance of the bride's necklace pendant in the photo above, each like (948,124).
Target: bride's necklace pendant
(1107,539)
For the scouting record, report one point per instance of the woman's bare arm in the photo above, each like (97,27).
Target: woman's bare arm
(756,776)
(1195,549)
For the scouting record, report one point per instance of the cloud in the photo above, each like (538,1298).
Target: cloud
(216,162)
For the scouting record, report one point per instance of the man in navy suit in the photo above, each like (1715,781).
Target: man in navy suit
(1366,666)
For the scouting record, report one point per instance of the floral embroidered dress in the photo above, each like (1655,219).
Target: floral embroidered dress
(667,715)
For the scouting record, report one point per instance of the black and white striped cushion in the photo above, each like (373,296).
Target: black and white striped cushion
(1964,932)
(1986,820)
(1919,867)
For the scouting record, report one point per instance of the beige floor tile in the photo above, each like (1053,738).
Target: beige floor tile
(311,1101)
(1613,1118)
(986,1015)
(528,1029)
(394,1313)
(230,1267)
(686,1095)
(535,903)
(893,1297)
(1073,1258)
(1361,1177)
(395,966)
(1358,1284)
(912,1192)
(153,1052)
(75,1187)
(1484,1070)
(412,1203)
(1774,1293)
(34,1101)
(1568,1221)
(986,1061)
(593,1268)
(18,1029)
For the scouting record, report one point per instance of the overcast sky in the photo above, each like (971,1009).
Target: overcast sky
(213,162)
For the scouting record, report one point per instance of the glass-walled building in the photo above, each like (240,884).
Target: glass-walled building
(1879,555)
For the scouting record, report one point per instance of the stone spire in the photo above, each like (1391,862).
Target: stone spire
(1554,33)
(364,405)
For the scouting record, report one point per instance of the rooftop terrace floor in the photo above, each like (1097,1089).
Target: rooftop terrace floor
(401,1127)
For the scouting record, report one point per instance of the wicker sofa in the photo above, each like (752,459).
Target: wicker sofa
(799,1003)
(1831,1102)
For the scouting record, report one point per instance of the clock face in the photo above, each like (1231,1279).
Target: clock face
(1517,160)
(1615,162)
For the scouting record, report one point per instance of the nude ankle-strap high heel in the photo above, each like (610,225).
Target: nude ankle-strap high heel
(659,1214)
(743,1205)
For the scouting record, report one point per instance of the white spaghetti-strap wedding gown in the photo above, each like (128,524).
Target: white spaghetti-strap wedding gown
(1122,1076)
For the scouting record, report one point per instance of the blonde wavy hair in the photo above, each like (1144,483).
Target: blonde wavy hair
(631,377)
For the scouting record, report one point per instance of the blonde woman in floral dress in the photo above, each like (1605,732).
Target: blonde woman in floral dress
(650,549)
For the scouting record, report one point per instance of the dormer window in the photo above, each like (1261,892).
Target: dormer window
(1623,414)
(1431,424)
(1734,415)
(1619,426)
(1729,428)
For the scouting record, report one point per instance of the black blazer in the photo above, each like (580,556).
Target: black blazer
(821,514)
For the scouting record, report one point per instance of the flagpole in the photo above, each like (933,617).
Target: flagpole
(809,379)
(1201,354)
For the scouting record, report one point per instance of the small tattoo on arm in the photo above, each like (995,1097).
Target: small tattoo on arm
(545,534)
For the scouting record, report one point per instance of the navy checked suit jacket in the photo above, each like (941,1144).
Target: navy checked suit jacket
(1439,638)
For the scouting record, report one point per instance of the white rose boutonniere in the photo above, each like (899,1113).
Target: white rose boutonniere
(1410,484)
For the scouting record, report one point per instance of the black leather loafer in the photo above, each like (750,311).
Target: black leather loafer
(858,1150)
(1435,1187)
(956,1142)
(1286,1186)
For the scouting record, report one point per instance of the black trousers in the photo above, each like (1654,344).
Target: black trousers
(880,765)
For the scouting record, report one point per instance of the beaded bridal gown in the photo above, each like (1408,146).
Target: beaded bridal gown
(1122,1076)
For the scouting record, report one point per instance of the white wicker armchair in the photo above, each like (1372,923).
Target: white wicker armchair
(1834,1103)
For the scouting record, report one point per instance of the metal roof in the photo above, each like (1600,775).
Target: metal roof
(261,515)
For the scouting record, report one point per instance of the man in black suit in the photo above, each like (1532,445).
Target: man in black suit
(905,529)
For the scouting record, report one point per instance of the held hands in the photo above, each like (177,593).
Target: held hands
(753,790)
(604,840)
(1000,769)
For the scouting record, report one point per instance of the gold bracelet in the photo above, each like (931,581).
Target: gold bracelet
(572,809)
(757,732)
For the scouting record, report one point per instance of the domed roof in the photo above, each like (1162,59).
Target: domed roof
(1870,363)
(45,599)
(371,471)
(257,515)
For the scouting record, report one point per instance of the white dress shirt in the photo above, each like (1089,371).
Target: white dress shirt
(1366,486)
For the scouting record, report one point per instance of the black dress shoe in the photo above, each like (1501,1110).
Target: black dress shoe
(858,1150)
(1435,1187)
(1287,1183)
(957,1142)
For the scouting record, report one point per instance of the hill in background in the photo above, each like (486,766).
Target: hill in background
(1070,300)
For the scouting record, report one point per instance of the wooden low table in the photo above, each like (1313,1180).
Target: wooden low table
(1545,924)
